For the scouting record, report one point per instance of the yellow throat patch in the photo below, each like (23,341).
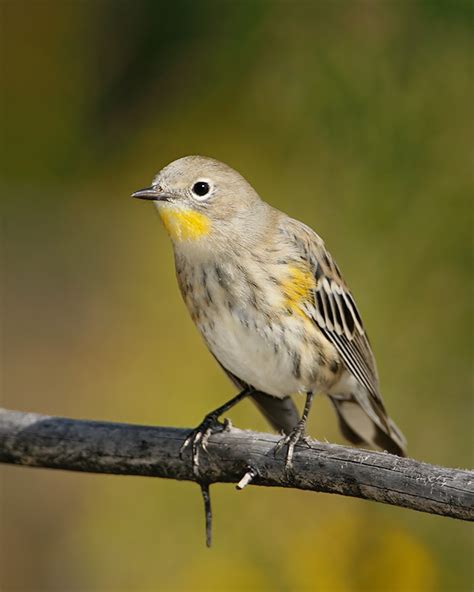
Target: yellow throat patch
(298,289)
(184,224)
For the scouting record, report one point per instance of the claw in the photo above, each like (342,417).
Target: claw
(198,440)
(199,437)
(205,439)
(290,441)
(280,444)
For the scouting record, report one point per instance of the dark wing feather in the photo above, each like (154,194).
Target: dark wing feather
(336,313)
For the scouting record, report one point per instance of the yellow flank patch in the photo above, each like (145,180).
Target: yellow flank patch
(184,224)
(298,289)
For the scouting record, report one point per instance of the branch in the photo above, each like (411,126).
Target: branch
(234,456)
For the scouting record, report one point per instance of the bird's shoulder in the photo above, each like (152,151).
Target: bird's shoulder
(310,250)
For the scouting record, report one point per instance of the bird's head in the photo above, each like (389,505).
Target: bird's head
(201,200)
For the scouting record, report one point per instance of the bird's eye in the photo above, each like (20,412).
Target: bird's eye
(201,189)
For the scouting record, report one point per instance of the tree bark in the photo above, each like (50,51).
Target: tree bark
(234,456)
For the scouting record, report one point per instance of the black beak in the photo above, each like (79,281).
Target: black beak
(152,193)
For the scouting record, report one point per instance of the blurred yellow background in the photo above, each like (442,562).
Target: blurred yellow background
(354,116)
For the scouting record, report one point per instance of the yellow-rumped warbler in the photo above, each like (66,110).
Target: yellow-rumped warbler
(270,303)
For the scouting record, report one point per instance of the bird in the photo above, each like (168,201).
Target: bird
(271,305)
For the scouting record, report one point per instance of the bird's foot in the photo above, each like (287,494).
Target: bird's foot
(199,438)
(296,436)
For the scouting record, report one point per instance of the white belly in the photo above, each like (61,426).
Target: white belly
(255,354)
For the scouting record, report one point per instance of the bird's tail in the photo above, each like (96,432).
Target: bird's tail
(357,427)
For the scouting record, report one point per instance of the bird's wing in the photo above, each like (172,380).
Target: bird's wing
(334,310)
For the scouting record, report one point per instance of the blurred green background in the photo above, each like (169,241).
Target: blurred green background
(353,116)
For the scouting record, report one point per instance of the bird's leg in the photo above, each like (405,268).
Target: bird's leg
(198,437)
(296,434)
